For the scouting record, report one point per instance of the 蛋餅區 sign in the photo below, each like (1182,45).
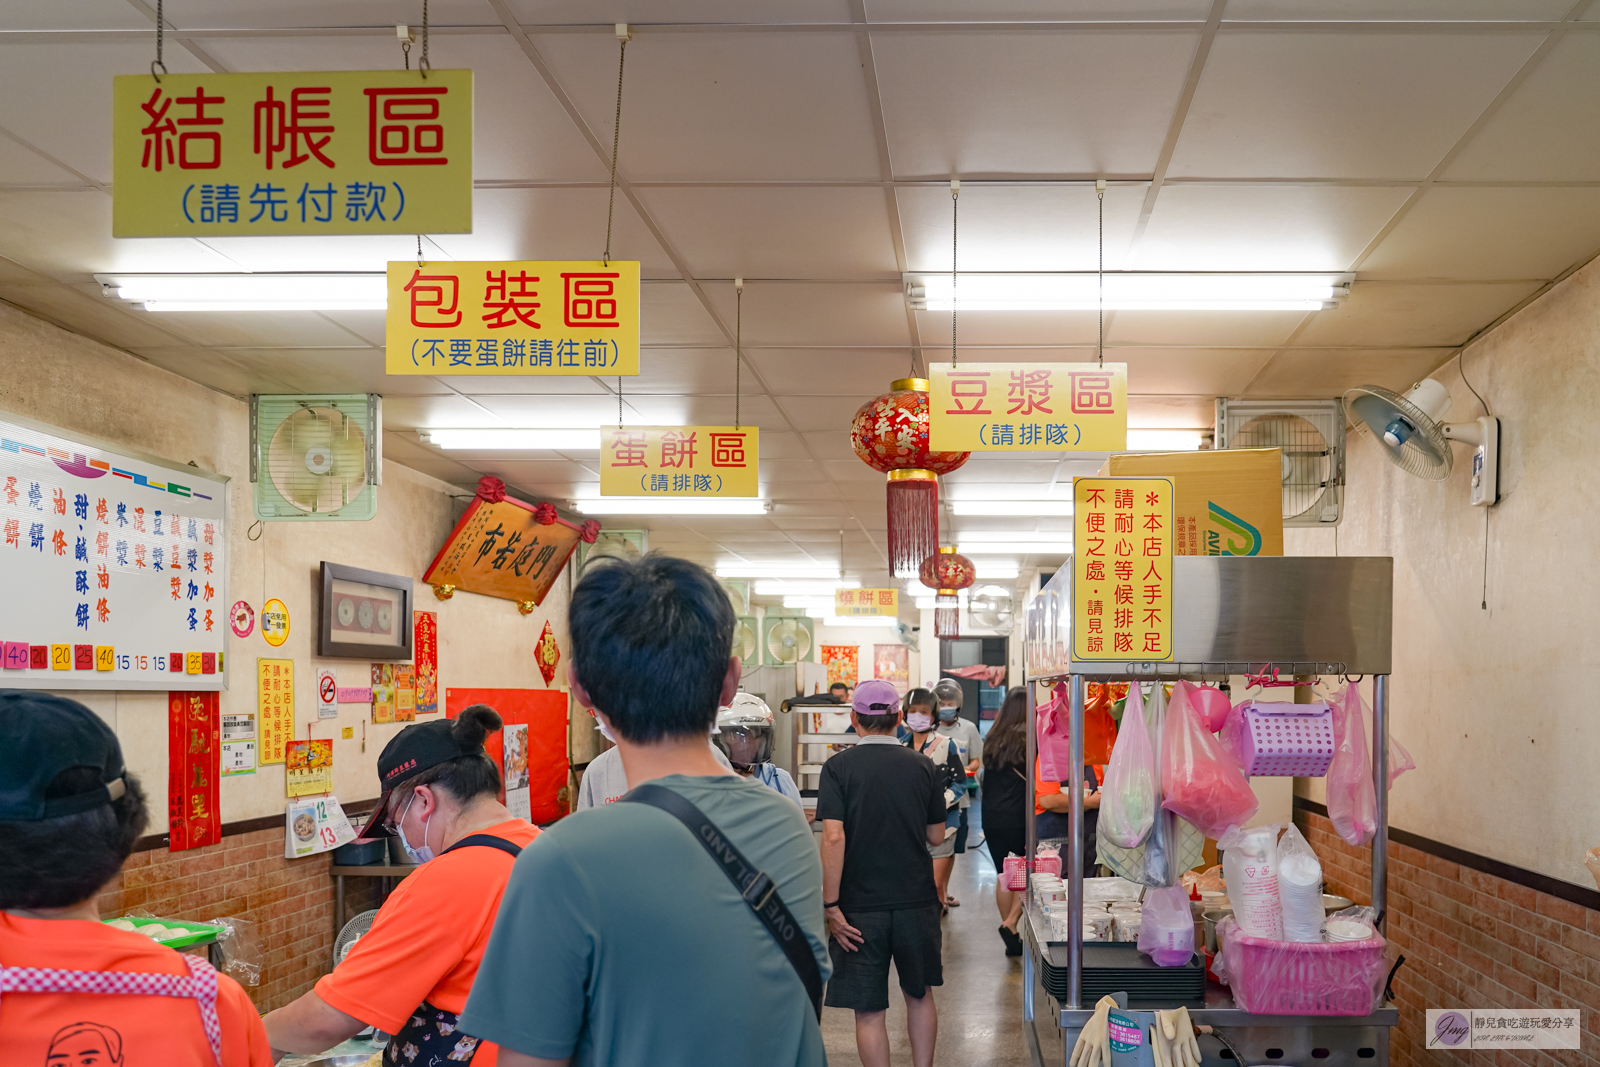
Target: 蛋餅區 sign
(669,461)
(366,151)
(1028,407)
(525,318)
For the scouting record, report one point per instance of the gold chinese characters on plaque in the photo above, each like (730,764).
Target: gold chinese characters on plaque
(1122,569)
(301,152)
(505,548)
(670,461)
(1028,407)
(513,318)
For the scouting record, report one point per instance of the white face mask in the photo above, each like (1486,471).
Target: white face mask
(605,731)
(919,723)
(418,855)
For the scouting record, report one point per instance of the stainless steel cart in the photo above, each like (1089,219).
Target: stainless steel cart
(1231,615)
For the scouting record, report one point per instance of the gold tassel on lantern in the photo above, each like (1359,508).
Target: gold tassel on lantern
(913,519)
(947,614)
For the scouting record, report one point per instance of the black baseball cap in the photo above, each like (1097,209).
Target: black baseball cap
(42,736)
(410,752)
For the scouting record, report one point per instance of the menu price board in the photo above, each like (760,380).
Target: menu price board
(1122,569)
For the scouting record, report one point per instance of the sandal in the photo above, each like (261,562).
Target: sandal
(1013,941)
(952,902)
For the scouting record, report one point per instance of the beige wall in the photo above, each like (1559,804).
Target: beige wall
(84,387)
(1498,706)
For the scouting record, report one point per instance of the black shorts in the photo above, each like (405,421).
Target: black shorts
(910,937)
(1002,841)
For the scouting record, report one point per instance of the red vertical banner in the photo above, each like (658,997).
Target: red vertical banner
(194,747)
(545,713)
(425,657)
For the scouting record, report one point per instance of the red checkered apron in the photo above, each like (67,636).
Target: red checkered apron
(201,984)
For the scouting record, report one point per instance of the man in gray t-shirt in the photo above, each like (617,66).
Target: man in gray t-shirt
(604,780)
(620,939)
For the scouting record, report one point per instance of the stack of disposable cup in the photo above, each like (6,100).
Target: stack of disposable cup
(1300,896)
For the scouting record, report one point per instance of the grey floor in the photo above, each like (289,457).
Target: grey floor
(980,1003)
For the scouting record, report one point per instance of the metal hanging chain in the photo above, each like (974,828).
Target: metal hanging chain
(738,344)
(405,50)
(616,139)
(424,66)
(1100,274)
(619,401)
(955,199)
(161,25)
(419,251)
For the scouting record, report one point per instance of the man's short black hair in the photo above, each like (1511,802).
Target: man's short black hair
(878,724)
(651,640)
(838,685)
(919,698)
(59,862)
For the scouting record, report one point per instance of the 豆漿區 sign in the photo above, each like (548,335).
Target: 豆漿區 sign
(549,317)
(364,151)
(1122,569)
(1028,407)
(857,602)
(678,461)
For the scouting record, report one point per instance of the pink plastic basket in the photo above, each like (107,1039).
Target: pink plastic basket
(1288,740)
(1290,978)
(1015,873)
(1048,865)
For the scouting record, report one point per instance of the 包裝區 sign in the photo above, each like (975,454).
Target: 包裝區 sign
(853,602)
(1122,569)
(1028,407)
(678,461)
(364,151)
(548,317)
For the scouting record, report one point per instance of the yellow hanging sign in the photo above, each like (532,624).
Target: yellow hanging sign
(513,318)
(668,461)
(1122,569)
(1028,407)
(302,152)
(849,603)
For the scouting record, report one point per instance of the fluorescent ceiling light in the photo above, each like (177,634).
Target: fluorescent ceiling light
(981,508)
(1062,547)
(670,505)
(860,620)
(1127,291)
(778,587)
(824,602)
(1166,440)
(996,568)
(746,569)
(354,291)
(511,439)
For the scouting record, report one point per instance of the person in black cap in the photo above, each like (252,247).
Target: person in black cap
(69,816)
(410,974)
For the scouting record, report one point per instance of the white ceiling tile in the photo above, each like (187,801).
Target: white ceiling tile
(1230,329)
(748,12)
(708,371)
(545,410)
(783,446)
(228,14)
(1018,227)
(1529,138)
(441,411)
(1490,234)
(1394,315)
(967,104)
(1202,371)
(72,15)
(1257,227)
(806,314)
(670,314)
(693,102)
(1034,10)
(485,385)
(697,410)
(1300,372)
(1169,412)
(776,232)
(807,413)
(554,224)
(790,470)
(256,329)
(1341,105)
(1032,469)
(1004,328)
(68,235)
(1398,10)
(858,374)
(23,166)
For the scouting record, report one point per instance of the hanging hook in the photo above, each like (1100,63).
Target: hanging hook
(402,31)
(161,25)
(424,66)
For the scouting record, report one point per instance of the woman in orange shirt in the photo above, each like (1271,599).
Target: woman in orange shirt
(77,990)
(410,974)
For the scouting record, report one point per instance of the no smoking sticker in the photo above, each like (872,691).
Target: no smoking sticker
(327,694)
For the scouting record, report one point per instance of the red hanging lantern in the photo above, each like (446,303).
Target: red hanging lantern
(890,434)
(948,572)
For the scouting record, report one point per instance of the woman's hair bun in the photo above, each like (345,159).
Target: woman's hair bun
(474,724)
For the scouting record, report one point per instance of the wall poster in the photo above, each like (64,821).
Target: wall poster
(892,663)
(194,815)
(842,663)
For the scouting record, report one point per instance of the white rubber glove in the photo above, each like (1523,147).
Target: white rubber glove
(1172,1040)
(1093,1048)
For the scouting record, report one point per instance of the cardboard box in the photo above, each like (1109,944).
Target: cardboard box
(1226,502)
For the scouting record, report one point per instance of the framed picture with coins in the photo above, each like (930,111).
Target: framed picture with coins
(365,614)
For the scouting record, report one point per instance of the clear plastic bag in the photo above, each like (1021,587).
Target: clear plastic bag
(1285,978)
(1400,760)
(1232,734)
(1299,888)
(1128,796)
(241,949)
(1198,781)
(1250,866)
(1352,802)
(1166,926)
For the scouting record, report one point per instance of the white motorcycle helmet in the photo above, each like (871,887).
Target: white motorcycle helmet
(745,731)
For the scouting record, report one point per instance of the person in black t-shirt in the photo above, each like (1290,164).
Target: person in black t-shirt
(881,806)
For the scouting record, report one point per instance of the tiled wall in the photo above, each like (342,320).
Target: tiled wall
(245,876)
(1472,940)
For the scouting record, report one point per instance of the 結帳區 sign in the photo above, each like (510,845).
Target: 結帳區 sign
(270,154)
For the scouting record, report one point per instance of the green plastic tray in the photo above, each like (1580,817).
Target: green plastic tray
(203,933)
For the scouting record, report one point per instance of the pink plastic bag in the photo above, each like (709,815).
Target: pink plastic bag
(1166,926)
(1055,744)
(1352,801)
(1199,780)
(1400,760)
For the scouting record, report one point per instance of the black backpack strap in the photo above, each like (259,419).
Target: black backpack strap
(487,841)
(754,886)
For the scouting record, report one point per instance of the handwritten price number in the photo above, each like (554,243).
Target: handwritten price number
(105,659)
(61,657)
